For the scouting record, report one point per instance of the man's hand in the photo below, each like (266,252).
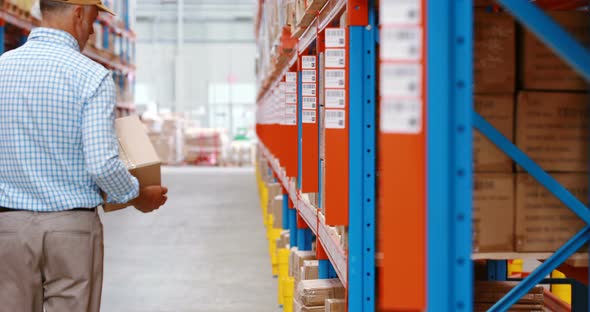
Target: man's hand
(150,198)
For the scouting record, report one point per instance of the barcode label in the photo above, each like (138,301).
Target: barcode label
(401,80)
(291,77)
(335,119)
(308,117)
(309,103)
(308,76)
(291,87)
(401,116)
(335,98)
(400,12)
(308,89)
(335,38)
(291,120)
(291,99)
(308,62)
(401,43)
(335,58)
(335,78)
(291,110)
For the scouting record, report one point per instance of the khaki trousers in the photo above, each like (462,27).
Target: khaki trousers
(51,261)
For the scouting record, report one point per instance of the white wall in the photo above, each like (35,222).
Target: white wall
(165,75)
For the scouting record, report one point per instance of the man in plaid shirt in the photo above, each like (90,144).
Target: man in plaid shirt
(58,151)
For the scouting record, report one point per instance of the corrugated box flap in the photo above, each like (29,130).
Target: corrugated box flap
(135,147)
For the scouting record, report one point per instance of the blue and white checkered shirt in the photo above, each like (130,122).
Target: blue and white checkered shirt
(58,147)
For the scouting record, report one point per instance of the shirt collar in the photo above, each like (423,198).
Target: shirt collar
(54,36)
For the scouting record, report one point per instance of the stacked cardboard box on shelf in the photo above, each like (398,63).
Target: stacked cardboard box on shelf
(488,293)
(313,293)
(541,68)
(552,129)
(335,305)
(296,260)
(494,86)
(310,270)
(203,146)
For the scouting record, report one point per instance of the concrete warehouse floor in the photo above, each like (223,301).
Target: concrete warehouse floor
(204,251)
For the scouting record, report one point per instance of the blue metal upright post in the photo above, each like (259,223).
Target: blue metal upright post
(324,269)
(304,239)
(497,270)
(105,37)
(449,157)
(285,211)
(362,133)
(2,33)
(293,227)
(23,39)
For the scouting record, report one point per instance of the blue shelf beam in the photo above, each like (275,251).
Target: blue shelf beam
(543,270)
(531,167)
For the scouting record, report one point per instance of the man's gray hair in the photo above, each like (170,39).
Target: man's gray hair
(50,6)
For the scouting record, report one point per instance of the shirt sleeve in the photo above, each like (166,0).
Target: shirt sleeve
(101,146)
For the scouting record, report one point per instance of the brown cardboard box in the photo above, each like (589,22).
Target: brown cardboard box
(493,212)
(296,261)
(494,53)
(552,129)
(286,238)
(543,223)
(313,293)
(335,305)
(493,291)
(483,3)
(541,68)
(484,307)
(310,270)
(138,155)
(300,307)
(277,212)
(498,109)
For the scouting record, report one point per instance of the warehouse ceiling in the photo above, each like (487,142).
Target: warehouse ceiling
(196,11)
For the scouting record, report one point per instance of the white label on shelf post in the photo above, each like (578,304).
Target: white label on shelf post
(291,120)
(309,116)
(335,37)
(291,87)
(335,119)
(308,89)
(291,77)
(335,78)
(291,99)
(335,58)
(401,115)
(335,98)
(400,12)
(401,80)
(308,62)
(308,76)
(291,109)
(309,102)
(401,43)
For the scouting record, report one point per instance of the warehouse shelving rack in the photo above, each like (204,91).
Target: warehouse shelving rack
(121,65)
(450,115)
(355,267)
(429,236)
